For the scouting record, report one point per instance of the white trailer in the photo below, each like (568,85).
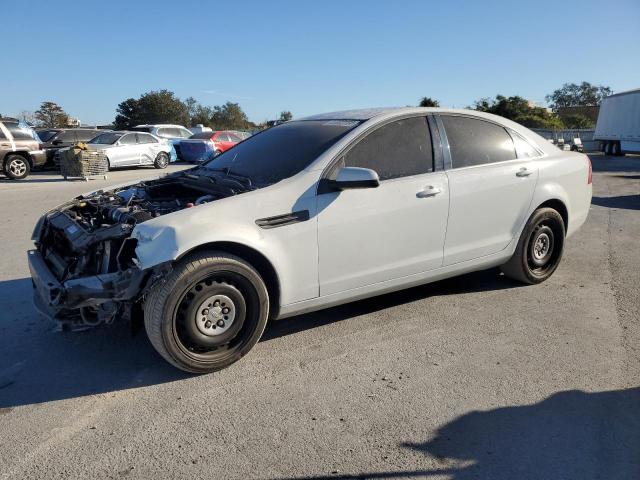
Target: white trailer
(618,126)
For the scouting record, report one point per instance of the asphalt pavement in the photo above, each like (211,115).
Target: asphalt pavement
(472,377)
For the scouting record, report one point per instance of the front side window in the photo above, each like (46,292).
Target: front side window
(85,135)
(477,142)
(67,136)
(184,133)
(282,151)
(398,149)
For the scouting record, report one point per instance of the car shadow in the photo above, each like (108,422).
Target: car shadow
(482,281)
(569,435)
(39,363)
(627,202)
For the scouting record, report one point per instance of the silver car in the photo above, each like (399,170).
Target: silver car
(126,149)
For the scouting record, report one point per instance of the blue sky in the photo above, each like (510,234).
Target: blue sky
(310,57)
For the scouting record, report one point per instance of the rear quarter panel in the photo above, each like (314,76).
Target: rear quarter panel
(563,176)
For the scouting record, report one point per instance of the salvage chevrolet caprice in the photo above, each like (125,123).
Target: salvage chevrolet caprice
(306,215)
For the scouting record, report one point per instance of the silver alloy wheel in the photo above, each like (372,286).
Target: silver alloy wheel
(215,315)
(541,247)
(18,167)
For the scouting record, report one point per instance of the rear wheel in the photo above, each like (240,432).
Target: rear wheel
(161,161)
(539,248)
(208,313)
(16,167)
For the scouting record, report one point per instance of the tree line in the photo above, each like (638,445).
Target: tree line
(522,111)
(163,106)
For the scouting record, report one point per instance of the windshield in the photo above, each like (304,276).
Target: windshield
(106,139)
(282,151)
(46,135)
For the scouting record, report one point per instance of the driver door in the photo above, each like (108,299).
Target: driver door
(368,236)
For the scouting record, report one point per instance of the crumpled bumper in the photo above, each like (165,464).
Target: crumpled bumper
(54,298)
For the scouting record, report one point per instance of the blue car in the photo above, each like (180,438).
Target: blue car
(173,133)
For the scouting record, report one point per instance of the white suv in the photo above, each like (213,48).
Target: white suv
(309,214)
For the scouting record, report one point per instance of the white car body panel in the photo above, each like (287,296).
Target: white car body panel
(364,242)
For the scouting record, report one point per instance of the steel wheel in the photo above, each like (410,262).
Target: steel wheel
(208,313)
(539,248)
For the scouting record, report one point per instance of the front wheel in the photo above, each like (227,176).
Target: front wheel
(539,248)
(207,313)
(16,167)
(161,161)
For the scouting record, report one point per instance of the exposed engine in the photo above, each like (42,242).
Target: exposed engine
(90,237)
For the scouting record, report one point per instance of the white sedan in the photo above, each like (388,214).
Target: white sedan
(127,149)
(308,214)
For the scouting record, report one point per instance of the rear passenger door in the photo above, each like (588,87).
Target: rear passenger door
(490,187)
(373,235)
(149,148)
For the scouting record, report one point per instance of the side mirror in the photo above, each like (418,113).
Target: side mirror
(355,177)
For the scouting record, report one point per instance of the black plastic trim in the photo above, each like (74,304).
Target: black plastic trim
(284,219)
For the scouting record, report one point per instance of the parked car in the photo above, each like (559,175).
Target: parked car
(173,133)
(53,139)
(205,145)
(20,149)
(309,214)
(124,149)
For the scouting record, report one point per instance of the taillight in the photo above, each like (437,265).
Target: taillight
(590,176)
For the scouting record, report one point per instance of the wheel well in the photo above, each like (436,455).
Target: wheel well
(258,261)
(25,155)
(559,207)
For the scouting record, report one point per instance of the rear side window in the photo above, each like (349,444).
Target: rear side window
(476,142)
(523,148)
(144,138)
(398,149)
(164,132)
(129,139)
(19,131)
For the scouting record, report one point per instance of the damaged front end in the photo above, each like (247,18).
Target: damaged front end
(84,268)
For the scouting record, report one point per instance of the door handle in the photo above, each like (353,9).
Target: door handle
(523,172)
(429,191)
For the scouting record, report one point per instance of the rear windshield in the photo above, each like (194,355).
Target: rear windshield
(106,139)
(202,135)
(282,151)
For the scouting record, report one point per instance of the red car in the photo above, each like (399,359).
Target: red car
(222,140)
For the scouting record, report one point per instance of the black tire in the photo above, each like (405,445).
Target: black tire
(161,161)
(539,248)
(16,167)
(616,150)
(176,309)
(604,147)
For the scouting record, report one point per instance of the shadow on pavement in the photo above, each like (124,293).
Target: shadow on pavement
(628,202)
(40,364)
(571,435)
(473,282)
